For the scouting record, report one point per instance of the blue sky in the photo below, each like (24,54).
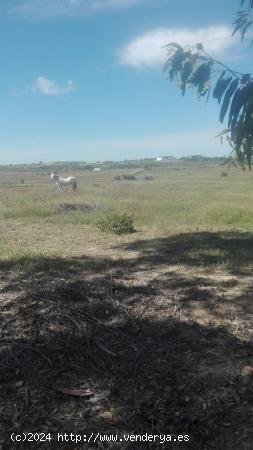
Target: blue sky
(82,79)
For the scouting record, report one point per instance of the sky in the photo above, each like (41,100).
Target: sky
(82,79)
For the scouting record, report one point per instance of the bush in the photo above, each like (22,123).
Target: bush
(117,224)
(129,177)
(148,177)
(224,174)
(117,177)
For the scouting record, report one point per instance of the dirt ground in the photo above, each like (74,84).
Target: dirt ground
(160,343)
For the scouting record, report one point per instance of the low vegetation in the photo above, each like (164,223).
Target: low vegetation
(128,176)
(148,177)
(118,332)
(117,224)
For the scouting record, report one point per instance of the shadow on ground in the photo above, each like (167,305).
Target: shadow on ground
(83,352)
(233,250)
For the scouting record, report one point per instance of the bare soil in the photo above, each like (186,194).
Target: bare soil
(160,344)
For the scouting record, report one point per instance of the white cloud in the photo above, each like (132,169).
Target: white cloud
(146,50)
(54,8)
(50,87)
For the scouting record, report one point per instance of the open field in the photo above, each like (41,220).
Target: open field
(153,329)
(183,198)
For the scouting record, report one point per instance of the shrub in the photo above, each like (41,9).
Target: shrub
(117,224)
(117,177)
(129,177)
(224,174)
(148,177)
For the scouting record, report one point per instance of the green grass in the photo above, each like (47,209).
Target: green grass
(28,260)
(117,224)
(172,203)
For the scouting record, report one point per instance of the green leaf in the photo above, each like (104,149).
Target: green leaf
(239,101)
(186,74)
(202,74)
(199,46)
(245,28)
(230,91)
(246,78)
(239,134)
(249,112)
(217,86)
(221,87)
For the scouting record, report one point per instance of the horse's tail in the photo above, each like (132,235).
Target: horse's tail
(74,185)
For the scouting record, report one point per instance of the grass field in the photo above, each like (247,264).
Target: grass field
(153,328)
(182,198)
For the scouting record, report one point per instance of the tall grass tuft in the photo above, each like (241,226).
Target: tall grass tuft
(117,224)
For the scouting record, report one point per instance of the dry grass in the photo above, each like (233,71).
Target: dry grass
(153,328)
(172,203)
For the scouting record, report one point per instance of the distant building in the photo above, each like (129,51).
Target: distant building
(165,158)
(195,157)
(97,168)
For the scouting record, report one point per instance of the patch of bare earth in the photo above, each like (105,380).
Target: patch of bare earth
(135,349)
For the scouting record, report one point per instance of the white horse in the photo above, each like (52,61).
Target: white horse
(70,181)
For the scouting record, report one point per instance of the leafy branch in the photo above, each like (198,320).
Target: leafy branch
(244,19)
(193,67)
